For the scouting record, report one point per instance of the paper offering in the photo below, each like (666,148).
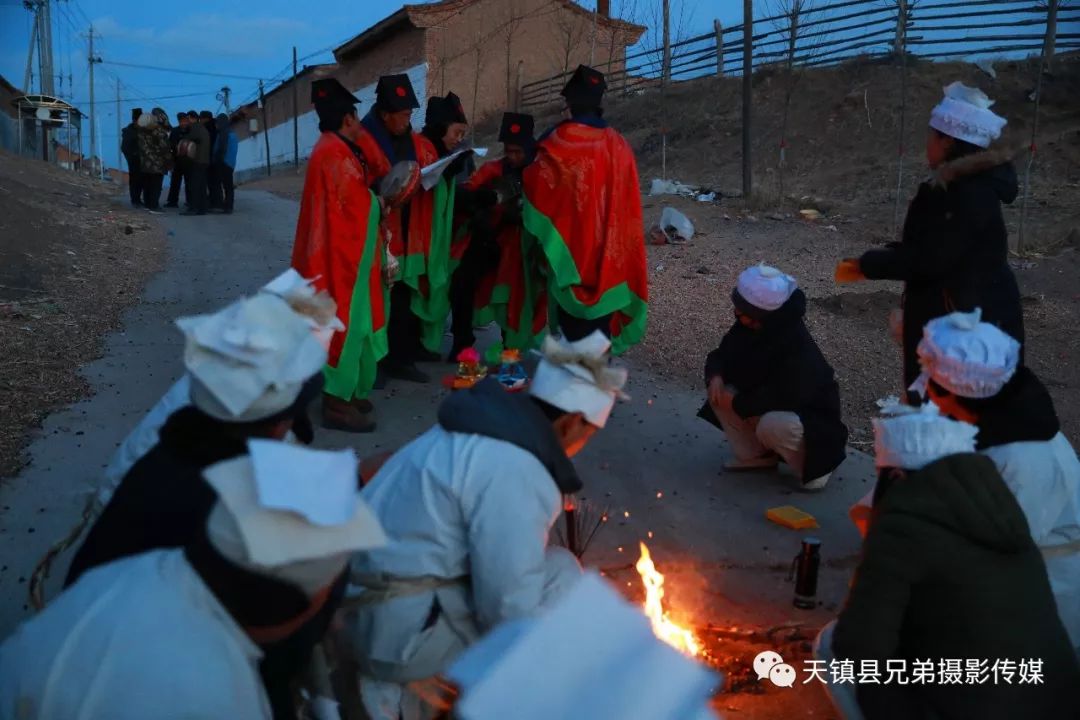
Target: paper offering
(430,175)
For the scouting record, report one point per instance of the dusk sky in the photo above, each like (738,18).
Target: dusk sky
(243,39)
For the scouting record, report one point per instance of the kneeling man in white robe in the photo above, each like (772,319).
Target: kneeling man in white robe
(175,634)
(972,371)
(468,507)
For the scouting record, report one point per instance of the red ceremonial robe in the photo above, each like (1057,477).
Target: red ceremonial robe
(583,205)
(425,254)
(514,294)
(338,245)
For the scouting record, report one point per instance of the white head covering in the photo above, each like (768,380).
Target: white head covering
(249,361)
(912,438)
(965,114)
(575,377)
(967,357)
(290,513)
(599,657)
(317,306)
(765,287)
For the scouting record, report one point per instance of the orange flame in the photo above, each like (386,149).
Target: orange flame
(680,638)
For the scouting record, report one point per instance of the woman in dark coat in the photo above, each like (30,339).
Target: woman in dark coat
(954,252)
(770,388)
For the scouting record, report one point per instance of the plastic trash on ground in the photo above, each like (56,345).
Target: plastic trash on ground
(670,187)
(675,225)
(707,197)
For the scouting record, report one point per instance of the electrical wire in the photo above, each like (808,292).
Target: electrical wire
(180,71)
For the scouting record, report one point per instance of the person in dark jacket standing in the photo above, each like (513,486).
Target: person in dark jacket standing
(954,252)
(213,182)
(180,162)
(225,149)
(770,389)
(129,146)
(198,134)
(949,574)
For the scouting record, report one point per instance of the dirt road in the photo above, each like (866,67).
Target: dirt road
(656,466)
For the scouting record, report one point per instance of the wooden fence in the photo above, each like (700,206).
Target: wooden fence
(831,33)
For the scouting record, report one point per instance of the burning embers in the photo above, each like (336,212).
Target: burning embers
(680,638)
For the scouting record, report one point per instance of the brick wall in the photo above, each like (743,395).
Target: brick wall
(544,36)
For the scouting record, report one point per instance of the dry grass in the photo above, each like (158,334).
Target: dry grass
(70,263)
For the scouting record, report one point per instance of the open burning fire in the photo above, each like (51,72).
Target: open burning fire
(680,638)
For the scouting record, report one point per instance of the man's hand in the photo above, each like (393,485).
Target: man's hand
(717,391)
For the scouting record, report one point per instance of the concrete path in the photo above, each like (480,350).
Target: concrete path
(656,466)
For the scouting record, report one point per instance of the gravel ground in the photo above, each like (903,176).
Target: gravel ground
(690,306)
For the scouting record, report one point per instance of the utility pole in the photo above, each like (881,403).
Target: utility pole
(93,60)
(747,95)
(266,127)
(1051,35)
(295,115)
(28,78)
(48,80)
(119,130)
(666,75)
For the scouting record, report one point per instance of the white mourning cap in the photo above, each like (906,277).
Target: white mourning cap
(966,356)
(250,360)
(591,655)
(765,287)
(576,378)
(290,513)
(965,114)
(911,438)
(317,306)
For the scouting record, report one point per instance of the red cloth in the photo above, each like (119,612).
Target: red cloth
(333,228)
(514,294)
(583,204)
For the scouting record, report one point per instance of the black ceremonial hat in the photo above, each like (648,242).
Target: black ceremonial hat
(329,93)
(517,129)
(395,93)
(455,110)
(586,87)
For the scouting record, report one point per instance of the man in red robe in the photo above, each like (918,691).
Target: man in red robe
(410,226)
(497,277)
(583,205)
(338,244)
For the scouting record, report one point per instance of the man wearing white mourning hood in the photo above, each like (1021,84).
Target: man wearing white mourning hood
(176,634)
(468,507)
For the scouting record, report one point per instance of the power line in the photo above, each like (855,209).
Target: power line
(144,98)
(179,70)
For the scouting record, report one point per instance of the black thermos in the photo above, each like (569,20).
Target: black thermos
(805,570)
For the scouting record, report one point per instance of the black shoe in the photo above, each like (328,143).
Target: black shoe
(407,372)
(172,205)
(380,379)
(425,355)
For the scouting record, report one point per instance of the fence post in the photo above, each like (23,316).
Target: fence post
(1051,33)
(295,115)
(666,69)
(719,48)
(1021,240)
(901,26)
(747,88)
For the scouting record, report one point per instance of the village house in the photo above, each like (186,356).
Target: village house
(483,50)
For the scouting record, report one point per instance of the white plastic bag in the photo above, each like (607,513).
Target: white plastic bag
(674,222)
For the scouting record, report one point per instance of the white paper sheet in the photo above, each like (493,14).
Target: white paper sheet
(317,484)
(430,175)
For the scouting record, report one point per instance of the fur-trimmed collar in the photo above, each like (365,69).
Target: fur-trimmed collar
(973,164)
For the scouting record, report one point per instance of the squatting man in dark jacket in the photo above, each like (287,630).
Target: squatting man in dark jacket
(770,389)
(949,575)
